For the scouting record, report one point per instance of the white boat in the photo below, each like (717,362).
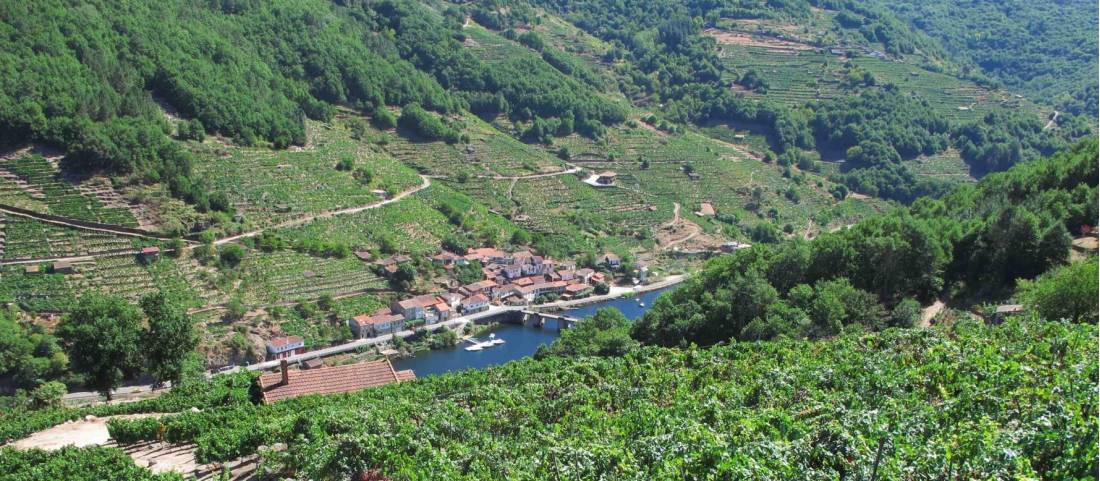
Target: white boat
(640,303)
(475,347)
(494,341)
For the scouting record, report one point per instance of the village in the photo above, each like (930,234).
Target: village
(513,279)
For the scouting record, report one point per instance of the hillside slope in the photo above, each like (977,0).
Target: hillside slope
(1047,50)
(969,401)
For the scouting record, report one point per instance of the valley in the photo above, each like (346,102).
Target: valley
(208,207)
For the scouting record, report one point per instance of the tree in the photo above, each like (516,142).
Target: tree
(326,302)
(607,333)
(49,395)
(906,314)
(102,336)
(1068,292)
(231,255)
(170,337)
(601,288)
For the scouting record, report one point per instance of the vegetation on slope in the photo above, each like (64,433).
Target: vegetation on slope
(1046,50)
(974,243)
(970,401)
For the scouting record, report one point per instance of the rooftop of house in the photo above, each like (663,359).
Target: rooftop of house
(150,250)
(482,252)
(577,287)
(281,342)
(479,285)
(475,299)
(383,318)
(451,296)
(328,380)
(610,256)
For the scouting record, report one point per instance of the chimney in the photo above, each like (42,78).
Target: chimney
(285,367)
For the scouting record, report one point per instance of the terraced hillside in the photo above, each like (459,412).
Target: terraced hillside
(30,181)
(268,186)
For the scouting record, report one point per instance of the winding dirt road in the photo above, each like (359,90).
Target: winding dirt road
(424,184)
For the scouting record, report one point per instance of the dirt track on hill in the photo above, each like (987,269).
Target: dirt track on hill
(424,184)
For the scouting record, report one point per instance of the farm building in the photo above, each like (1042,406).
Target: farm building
(150,254)
(63,267)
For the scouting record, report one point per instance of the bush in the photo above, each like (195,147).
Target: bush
(231,255)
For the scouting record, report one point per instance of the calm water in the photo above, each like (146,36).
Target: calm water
(520,341)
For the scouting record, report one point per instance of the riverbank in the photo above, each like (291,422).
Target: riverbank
(615,293)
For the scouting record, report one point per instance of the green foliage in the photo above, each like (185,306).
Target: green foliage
(468,273)
(977,240)
(75,464)
(1045,50)
(102,336)
(230,255)
(425,125)
(920,402)
(601,288)
(28,353)
(1068,292)
(170,337)
(49,395)
(606,333)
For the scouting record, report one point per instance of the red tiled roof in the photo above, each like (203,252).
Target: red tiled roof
(328,380)
(280,342)
(475,299)
(577,287)
(406,375)
(151,250)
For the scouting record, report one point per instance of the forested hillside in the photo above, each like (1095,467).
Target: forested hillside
(1047,50)
(974,243)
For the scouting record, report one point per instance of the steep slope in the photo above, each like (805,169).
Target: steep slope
(1046,50)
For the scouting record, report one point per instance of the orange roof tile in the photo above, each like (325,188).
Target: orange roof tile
(327,380)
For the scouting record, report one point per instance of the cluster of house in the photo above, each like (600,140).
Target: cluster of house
(511,278)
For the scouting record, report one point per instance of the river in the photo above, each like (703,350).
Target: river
(519,341)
